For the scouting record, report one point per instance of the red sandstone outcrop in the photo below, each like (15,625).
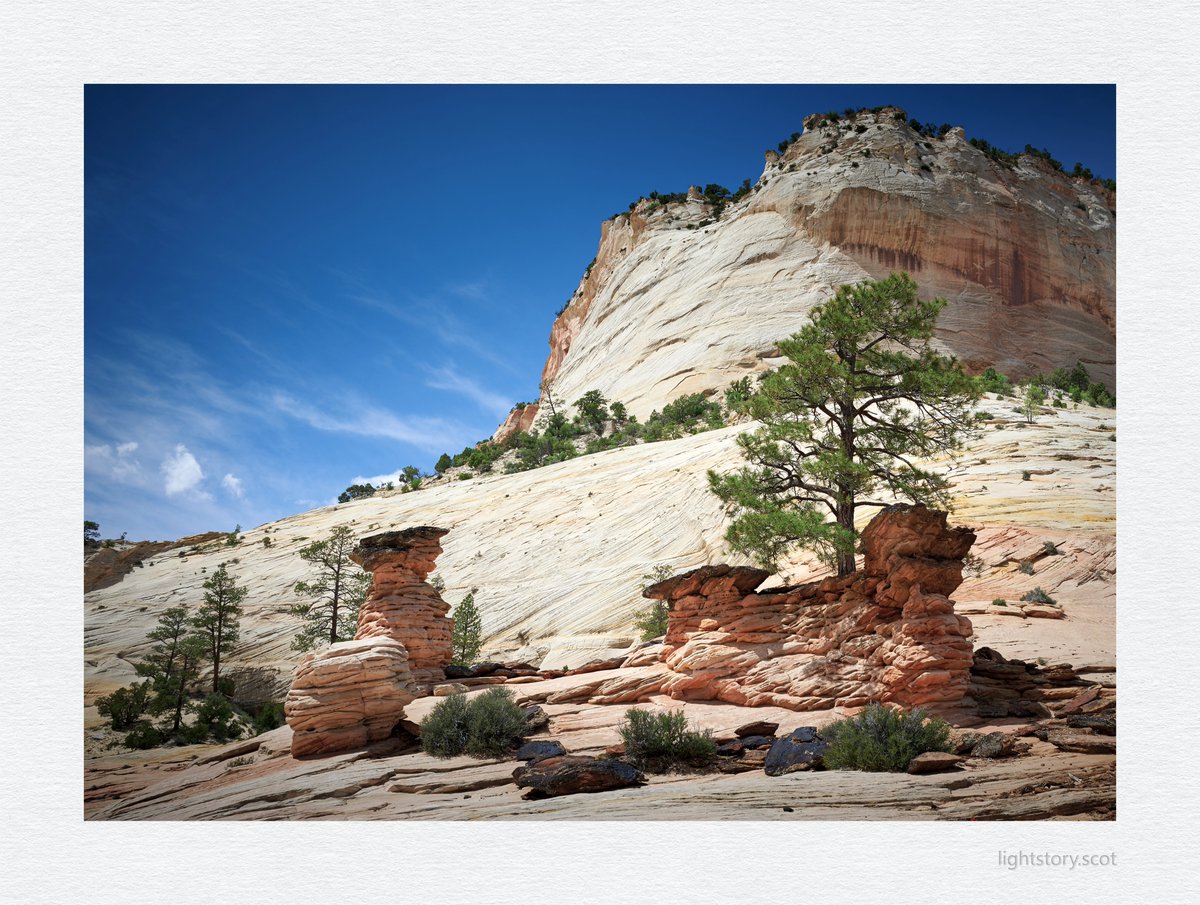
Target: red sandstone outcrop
(355,692)
(886,633)
(348,695)
(108,565)
(402,605)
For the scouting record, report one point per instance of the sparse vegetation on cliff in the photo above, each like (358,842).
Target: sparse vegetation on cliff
(652,620)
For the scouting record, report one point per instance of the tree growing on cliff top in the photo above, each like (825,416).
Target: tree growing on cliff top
(862,398)
(216,620)
(337,591)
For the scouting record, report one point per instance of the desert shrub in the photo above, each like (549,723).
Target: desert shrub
(1037,595)
(444,732)
(496,725)
(490,725)
(215,719)
(882,740)
(1025,475)
(992,381)
(1050,548)
(660,740)
(125,706)
(144,735)
(1025,568)
(999,601)
(269,716)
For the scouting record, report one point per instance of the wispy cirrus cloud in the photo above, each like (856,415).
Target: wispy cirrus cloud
(431,435)
(450,379)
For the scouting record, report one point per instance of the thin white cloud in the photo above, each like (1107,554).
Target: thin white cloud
(476,291)
(431,435)
(126,449)
(445,378)
(118,465)
(233,484)
(182,473)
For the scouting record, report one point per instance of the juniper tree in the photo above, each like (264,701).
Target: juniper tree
(592,410)
(468,631)
(216,620)
(337,592)
(863,397)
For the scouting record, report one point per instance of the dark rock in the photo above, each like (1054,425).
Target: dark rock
(730,749)
(1082,741)
(933,762)
(759,727)
(758,741)
(1101,725)
(802,749)
(479,670)
(569,775)
(458,672)
(993,709)
(994,744)
(532,751)
(536,718)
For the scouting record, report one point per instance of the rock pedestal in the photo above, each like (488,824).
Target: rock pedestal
(886,633)
(402,605)
(355,692)
(348,695)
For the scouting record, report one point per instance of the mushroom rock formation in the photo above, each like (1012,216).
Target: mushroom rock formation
(885,633)
(348,695)
(402,605)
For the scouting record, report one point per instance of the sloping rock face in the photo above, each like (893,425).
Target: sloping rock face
(348,695)
(402,605)
(886,633)
(677,303)
(108,565)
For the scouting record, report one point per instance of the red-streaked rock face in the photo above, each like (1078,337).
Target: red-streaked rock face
(401,605)
(886,633)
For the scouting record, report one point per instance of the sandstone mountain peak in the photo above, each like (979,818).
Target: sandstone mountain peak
(688,293)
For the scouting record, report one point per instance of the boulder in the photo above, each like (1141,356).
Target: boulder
(348,695)
(449,688)
(540,750)
(802,749)
(994,744)
(933,762)
(1101,725)
(759,727)
(1082,741)
(536,719)
(570,775)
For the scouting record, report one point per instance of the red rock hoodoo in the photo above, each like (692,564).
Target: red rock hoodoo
(354,692)
(402,605)
(886,633)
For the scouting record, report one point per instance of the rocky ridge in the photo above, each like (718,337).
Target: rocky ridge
(677,302)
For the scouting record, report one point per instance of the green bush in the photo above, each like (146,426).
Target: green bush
(1037,595)
(1025,568)
(1050,548)
(269,717)
(882,740)
(215,719)
(490,725)
(125,706)
(444,732)
(999,601)
(661,740)
(144,735)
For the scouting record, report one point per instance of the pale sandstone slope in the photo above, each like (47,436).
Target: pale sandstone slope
(1026,257)
(558,553)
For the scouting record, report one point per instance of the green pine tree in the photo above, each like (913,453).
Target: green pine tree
(468,631)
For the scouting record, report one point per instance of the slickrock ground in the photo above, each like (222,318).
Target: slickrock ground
(258,780)
(1026,257)
(558,553)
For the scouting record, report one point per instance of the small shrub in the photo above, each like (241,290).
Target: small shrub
(215,719)
(1050,548)
(661,740)
(496,725)
(444,732)
(1025,568)
(269,717)
(491,725)
(1037,595)
(883,740)
(125,706)
(144,735)
(1025,475)
(999,601)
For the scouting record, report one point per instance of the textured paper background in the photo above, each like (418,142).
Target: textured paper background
(49,50)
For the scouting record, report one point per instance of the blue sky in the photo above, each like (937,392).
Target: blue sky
(288,288)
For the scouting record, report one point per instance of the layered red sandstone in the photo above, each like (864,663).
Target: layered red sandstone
(885,633)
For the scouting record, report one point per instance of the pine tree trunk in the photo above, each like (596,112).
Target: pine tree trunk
(845,517)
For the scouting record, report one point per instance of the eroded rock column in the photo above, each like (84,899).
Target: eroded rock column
(402,605)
